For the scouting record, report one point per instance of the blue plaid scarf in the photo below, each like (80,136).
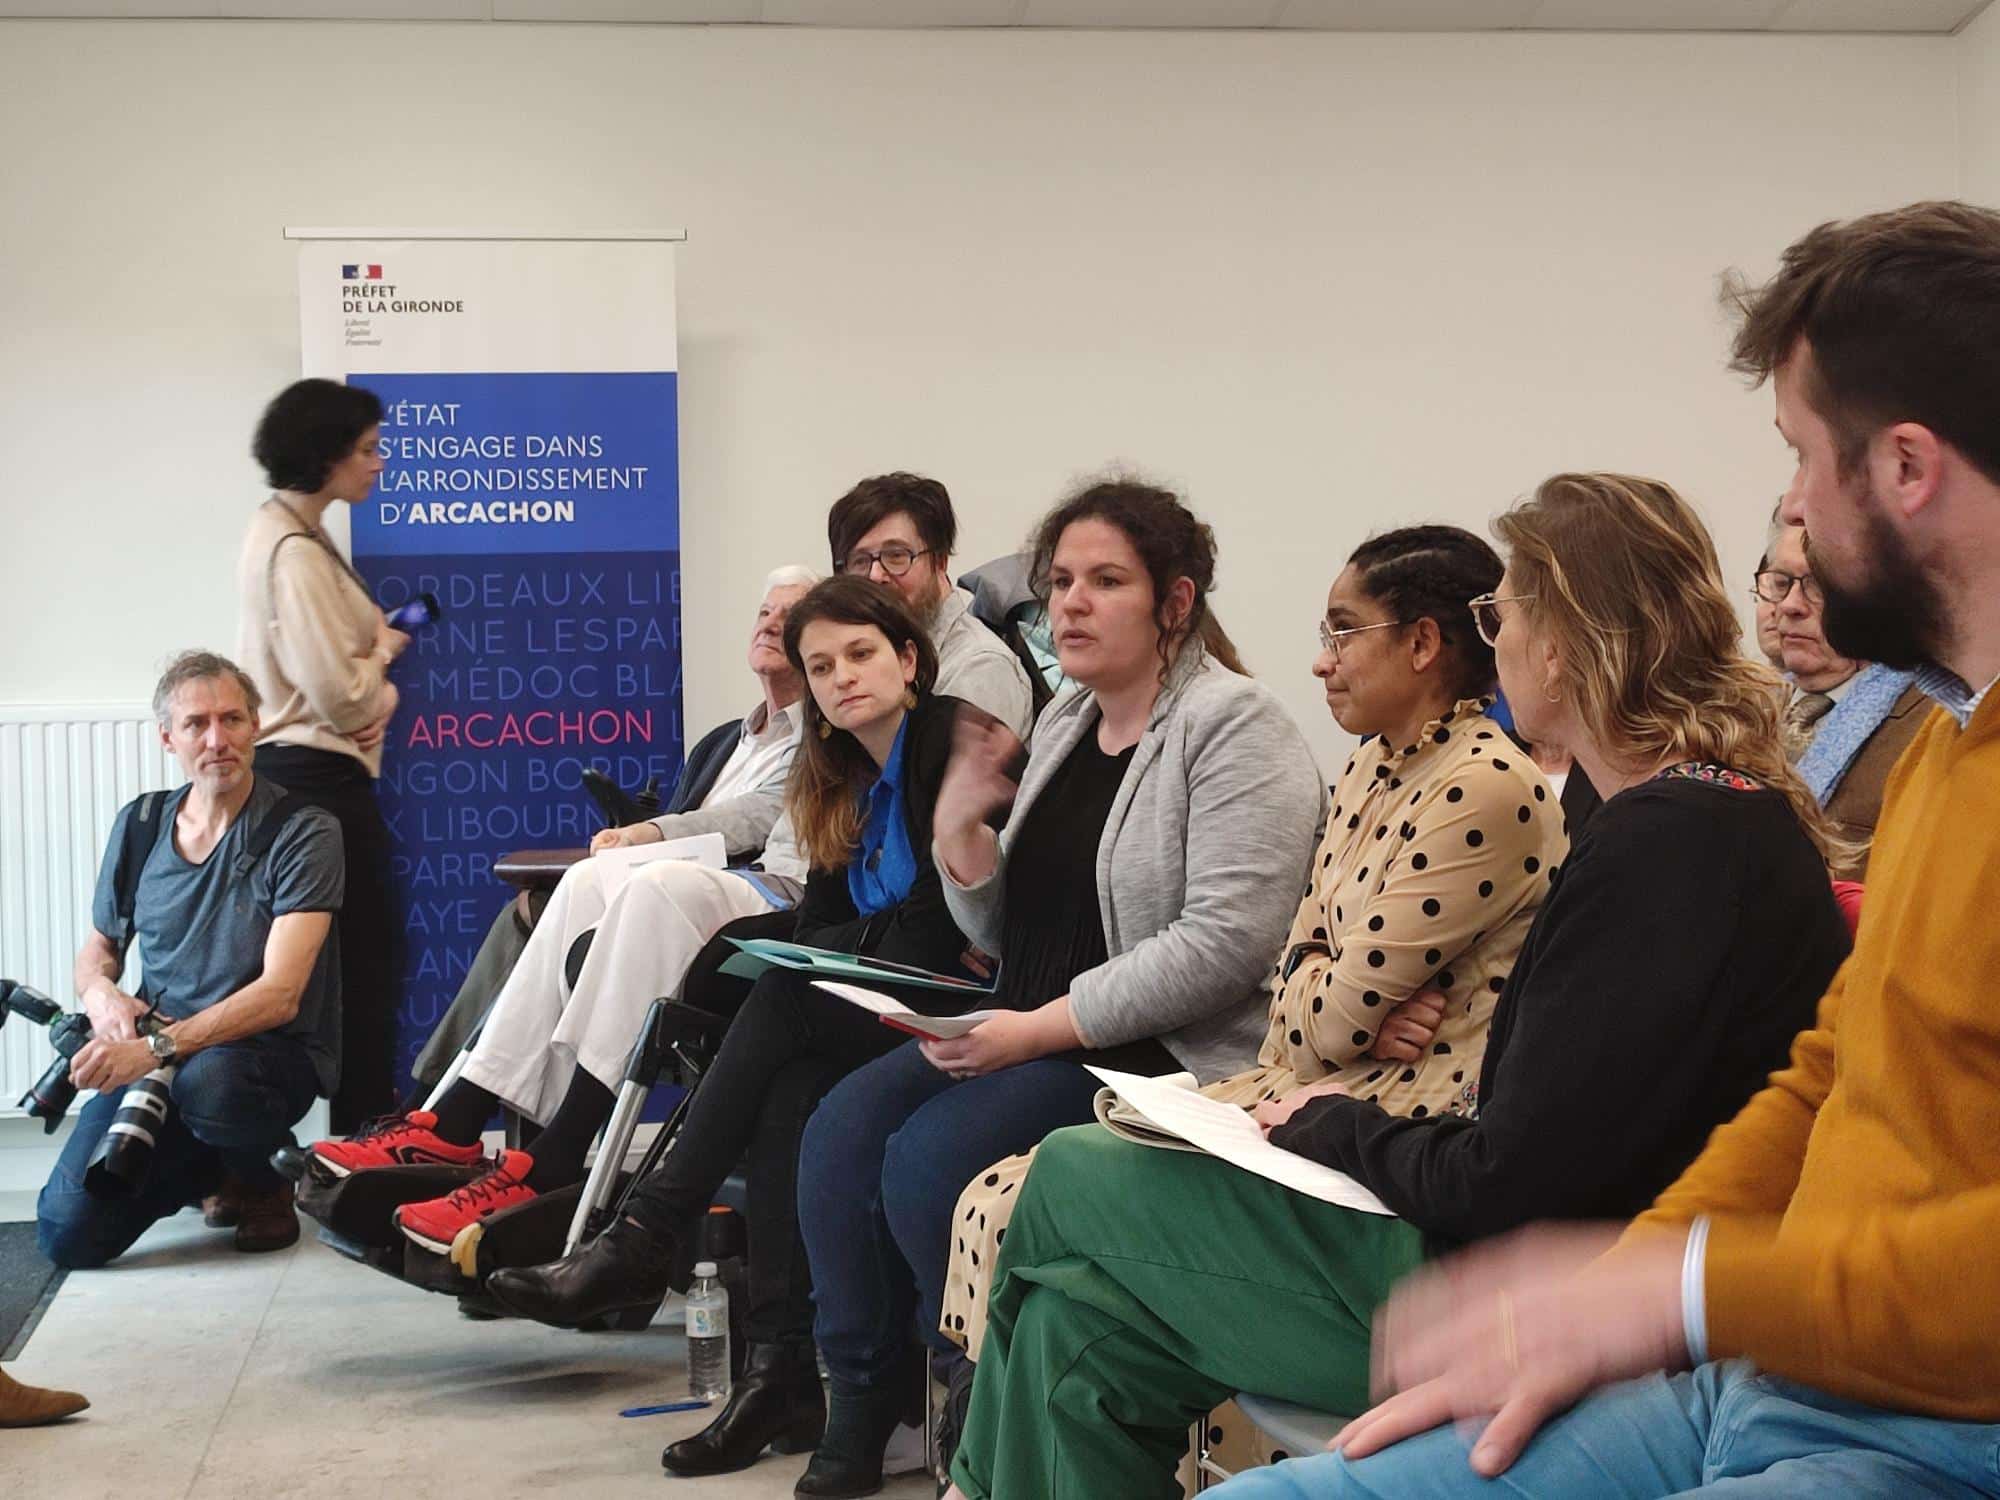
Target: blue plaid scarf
(1848,725)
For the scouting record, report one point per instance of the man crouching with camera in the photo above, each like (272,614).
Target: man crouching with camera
(228,886)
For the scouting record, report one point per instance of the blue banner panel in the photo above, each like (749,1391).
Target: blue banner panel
(529,463)
(543,511)
(540,666)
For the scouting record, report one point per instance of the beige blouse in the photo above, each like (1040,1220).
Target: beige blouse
(306,637)
(1435,859)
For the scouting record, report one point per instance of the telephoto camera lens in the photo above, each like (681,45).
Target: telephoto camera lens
(49,1097)
(125,1155)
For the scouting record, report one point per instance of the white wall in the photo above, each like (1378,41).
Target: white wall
(1977,51)
(1327,283)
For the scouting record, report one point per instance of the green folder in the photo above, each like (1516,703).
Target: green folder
(759,954)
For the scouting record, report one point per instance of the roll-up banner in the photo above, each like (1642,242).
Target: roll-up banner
(531,483)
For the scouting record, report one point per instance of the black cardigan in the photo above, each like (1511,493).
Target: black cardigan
(917,930)
(1685,943)
(703,764)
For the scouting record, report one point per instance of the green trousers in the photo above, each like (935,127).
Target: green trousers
(1139,1288)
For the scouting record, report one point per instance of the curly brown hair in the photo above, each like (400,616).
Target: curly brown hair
(1172,543)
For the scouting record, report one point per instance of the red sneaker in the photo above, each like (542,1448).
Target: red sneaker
(437,1223)
(398,1140)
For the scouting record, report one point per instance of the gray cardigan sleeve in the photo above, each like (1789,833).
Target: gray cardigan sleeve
(745,821)
(1253,808)
(979,910)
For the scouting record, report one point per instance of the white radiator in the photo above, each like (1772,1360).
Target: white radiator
(64,773)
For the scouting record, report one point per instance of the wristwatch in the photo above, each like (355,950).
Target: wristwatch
(162,1047)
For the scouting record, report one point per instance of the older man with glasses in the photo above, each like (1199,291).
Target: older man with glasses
(1847,721)
(1768,642)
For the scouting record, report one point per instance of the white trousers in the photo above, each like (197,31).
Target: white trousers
(539,1031)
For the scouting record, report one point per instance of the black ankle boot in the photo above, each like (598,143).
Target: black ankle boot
(859,1422)
(624,1269)
(955,1373)
(778,1404)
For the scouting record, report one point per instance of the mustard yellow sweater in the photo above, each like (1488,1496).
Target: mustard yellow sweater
(1854,1204)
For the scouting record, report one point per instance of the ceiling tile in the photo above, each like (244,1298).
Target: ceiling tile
(892,13)
(1654,15)
(1164,14)
(678,12)
(1874,15)
(1405,15)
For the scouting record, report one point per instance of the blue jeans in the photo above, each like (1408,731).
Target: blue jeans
(1724,1427)
(233,1106)
(884,1159)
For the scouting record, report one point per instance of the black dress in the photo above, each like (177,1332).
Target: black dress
(1055,926)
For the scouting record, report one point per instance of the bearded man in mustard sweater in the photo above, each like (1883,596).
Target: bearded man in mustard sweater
(1815,1304)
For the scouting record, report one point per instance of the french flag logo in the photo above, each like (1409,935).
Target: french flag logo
(360,273)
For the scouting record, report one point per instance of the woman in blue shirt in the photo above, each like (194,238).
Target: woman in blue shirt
(871,758)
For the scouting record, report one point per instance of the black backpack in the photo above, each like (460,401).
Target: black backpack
(142,831)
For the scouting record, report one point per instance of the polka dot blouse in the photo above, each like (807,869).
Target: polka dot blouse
(1435,858)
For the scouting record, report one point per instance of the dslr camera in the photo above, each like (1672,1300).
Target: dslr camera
(125,1154)
(48,1099)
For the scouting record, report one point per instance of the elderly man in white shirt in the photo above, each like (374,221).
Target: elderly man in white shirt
(554,1050)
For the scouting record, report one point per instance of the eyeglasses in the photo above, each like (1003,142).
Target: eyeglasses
(1486,614)
(1773,586)
(894,558)
(1331,639)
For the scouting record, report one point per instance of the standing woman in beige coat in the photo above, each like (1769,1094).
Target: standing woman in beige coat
(319,649)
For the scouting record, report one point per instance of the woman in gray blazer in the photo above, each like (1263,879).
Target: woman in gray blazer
(1159,840)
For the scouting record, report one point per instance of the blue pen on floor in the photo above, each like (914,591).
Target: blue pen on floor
(657,1411)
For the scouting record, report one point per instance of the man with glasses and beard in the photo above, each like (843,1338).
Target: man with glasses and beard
(1847,722)
(1815,1304)
(900,529)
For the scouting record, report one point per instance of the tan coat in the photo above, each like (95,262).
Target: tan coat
(305,636)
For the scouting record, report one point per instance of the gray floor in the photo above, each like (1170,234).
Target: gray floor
(215,1375)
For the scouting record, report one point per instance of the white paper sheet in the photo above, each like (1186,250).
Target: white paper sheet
(615,866)
(901,1016)
(1228,1132)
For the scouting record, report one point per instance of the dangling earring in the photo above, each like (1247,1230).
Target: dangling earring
(909,698)
(825,730)
(1555,697)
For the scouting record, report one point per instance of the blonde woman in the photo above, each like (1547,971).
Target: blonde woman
(1685,941)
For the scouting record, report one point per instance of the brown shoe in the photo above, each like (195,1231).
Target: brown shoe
(268,1222)
(31,1406)
(223,1208)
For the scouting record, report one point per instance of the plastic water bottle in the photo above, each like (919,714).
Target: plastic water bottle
(708,1335)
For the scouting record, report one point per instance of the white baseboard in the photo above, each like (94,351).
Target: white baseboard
(26,1155)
